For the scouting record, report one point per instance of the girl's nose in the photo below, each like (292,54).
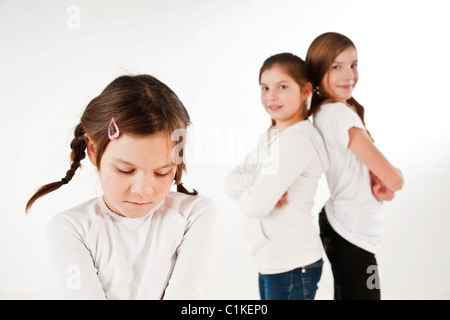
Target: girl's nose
(348,75)
(272,96)
(142,187)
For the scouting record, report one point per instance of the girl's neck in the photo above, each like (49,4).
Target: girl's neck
(282,125)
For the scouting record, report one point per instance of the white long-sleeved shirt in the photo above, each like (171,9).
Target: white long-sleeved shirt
(167,254)
(293,161)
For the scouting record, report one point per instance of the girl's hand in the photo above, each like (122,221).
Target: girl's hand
(282,201)
(380,191)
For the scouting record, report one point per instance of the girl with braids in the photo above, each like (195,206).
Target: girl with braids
(139,240)
(287,163)
(359,177)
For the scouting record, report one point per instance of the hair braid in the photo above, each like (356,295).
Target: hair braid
(78,146)
(141,104)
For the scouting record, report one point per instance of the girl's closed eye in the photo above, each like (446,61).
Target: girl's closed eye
(161,175)
(125,171)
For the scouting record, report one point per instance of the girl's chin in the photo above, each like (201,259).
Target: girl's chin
(135,210)
(132,211)
(345,96)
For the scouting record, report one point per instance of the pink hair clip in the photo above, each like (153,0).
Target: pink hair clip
(116,129)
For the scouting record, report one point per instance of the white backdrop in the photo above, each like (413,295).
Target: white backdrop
(56,56)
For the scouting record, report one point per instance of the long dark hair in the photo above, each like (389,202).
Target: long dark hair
(140,105)
(319,59)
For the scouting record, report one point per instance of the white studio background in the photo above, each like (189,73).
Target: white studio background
(56,56)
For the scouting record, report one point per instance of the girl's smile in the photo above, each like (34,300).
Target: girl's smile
(347,87)
(274,107)
(282,97)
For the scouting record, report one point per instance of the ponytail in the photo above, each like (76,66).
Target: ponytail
(78,146)
(360,111)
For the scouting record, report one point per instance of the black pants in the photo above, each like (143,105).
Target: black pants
(355,270)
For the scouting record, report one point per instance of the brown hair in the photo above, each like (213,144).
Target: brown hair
(140,105)
(292,65)
(319,59)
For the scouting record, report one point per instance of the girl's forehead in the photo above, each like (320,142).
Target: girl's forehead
(276,73)
(348,53)
(157,140)
(153,150)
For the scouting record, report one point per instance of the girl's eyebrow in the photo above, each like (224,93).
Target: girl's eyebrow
(132,165)
(339,62)
(278,82)
(123,162)
(167,166)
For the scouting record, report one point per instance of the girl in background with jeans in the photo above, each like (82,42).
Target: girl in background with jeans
(287,164)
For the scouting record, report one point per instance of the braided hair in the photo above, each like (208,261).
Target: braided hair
(141,105)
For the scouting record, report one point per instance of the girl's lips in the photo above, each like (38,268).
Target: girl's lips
(274,108)
(348,87)
(139,204)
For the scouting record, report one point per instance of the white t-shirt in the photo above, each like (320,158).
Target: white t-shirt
(294,160)
(352,210)
(167,254)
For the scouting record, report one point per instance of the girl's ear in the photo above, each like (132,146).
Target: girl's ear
(306,91)
(90,148)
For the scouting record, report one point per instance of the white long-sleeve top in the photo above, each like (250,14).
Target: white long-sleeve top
(167,254)
(293,161)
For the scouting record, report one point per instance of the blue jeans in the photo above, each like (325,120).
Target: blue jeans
(298,284)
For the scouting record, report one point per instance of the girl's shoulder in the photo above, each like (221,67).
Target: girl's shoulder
(78,219)
(335,112)
(301,131)
(334,107)
(189,205)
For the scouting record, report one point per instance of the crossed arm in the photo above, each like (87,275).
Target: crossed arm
(385,179)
